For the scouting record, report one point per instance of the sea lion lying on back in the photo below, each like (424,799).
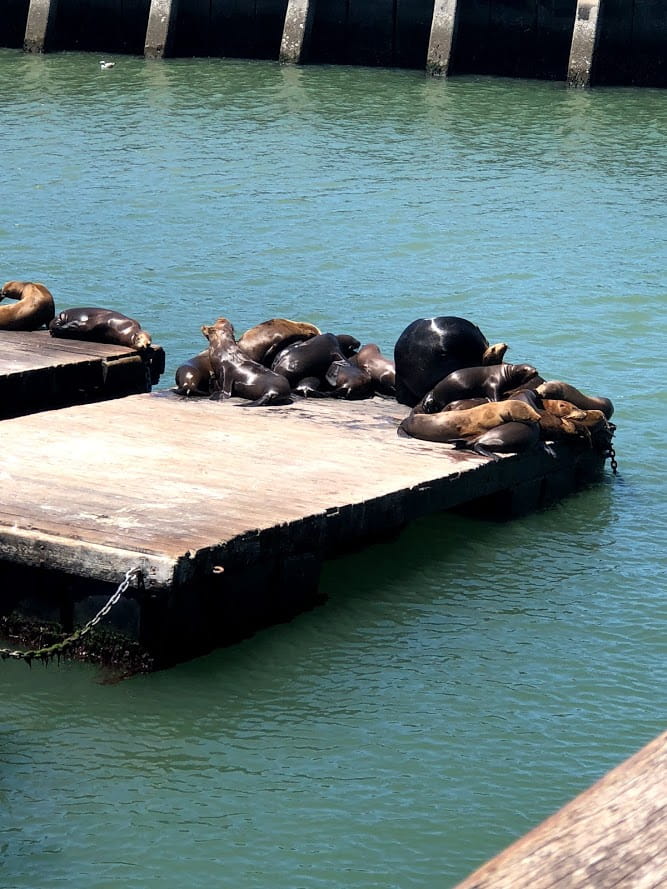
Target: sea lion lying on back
(34,307)
(236,374)
(263,341)
(100,326)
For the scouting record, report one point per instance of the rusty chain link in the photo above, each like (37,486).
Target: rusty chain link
(44,654)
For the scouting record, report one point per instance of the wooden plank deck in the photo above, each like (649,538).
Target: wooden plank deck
(612,835)
(40,372)
(178,485)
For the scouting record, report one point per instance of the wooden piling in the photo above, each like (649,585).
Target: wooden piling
(296,31)
(443,28)
(160,29)
(584,41)
(613,834)
(39,25)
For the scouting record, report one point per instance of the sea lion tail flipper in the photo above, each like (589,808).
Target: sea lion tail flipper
(267,398)
(485,452)
(548,449)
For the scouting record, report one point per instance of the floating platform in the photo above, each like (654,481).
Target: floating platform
(613,834)
(228,511)
(41,372)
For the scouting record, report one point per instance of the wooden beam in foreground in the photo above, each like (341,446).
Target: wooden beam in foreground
(612,836)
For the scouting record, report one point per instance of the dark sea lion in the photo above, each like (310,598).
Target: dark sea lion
(431,348)
(348,344)
(446,426)
(462,404)
(476,382)
(236,374)
(34,307)
(195,376)
(100,326)
(263,341)
(560,389)
(510,438)
(309,387)
(380,369)
(310,358)
(348,381)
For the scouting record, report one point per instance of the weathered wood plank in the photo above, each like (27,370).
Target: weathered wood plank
(39,372)
(614,835)
(184,481)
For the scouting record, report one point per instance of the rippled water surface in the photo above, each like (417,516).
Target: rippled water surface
(461,684)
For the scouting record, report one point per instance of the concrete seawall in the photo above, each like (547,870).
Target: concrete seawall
(583,42)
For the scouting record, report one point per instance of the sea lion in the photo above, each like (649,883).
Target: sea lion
(476,382)
(431,348)
(560,389)
(348,344)
(446,426)
(100,326)
(310,358)
(557,418)
(34,307)
(195,376)
(236,374)
(510,438)
(309,387)
(348,381)
(462,404)
(263,341)
(381,370)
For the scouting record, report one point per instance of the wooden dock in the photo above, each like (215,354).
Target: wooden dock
(240,503)
(612,835)
(41,372)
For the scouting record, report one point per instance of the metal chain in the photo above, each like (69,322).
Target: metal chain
(53,650)
(610,452)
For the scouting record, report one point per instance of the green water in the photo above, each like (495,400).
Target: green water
(463,683)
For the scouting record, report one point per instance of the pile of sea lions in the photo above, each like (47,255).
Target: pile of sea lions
(463,393)
(280,359)
(460,390)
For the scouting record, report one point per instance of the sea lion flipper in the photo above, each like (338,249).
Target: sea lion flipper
(485,452)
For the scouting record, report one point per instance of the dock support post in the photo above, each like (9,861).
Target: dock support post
(584,39)
(39,25)
(159,31)
(296,31)
(443,25)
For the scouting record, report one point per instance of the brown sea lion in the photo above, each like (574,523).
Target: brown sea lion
(381,370)
(560,389)
(431,348)
(348,381)
(449,425)
(476,382)
(310,358)
(236,374)
(263,341)
(34,307)
(195,376)
(100,326)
